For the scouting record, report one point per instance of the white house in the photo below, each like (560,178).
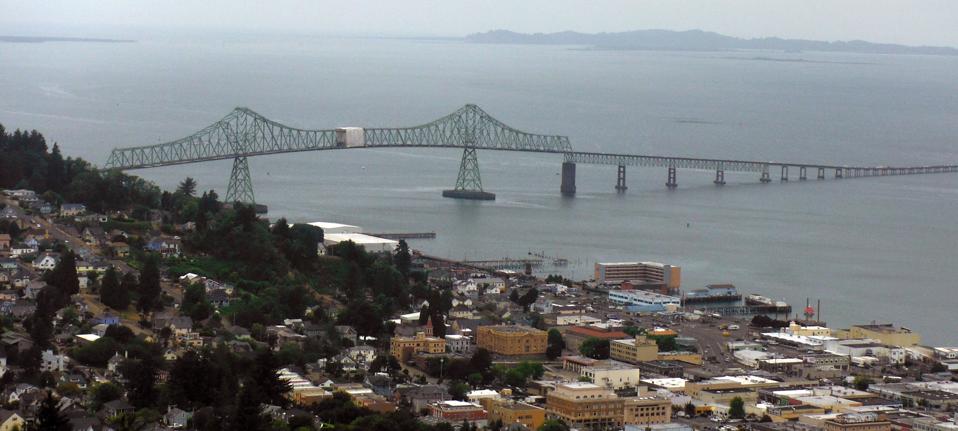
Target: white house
(50,361)
(458,343)
(46,262)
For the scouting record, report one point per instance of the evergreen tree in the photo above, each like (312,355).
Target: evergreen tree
(140,375)
(266,383)
(555,344)
(187,187)
(149,287)
(736,408)
(403,258)
(64,274)
(49,416)
(112,293)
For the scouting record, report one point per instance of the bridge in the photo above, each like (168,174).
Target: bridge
(243,133)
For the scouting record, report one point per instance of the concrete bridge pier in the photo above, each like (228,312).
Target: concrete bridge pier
(784,173)
(620,180)
(568,179)
(838,173)
(766,178)
(719,177)
(821,173)
(801,174)
(671,183)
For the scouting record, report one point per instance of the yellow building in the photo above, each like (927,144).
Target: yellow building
(585,405)
(858,422)
(808,331)
(886,334)
(646,411)
(512,340)
(634,350)
(403,348)
(509,413)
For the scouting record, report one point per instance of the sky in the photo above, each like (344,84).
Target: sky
(910,22)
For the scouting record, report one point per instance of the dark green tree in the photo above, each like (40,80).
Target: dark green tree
(736,408)
(149,286)
(64,274)
(195,303)
(112,293)
(595,348)
(187,187)
(140,375)
(555,344)
(403,258)
(50,417)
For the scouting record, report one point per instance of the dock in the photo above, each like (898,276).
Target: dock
(504,263)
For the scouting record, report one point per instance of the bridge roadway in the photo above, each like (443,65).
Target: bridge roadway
(244,133)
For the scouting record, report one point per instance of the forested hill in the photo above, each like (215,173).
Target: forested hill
(697,40)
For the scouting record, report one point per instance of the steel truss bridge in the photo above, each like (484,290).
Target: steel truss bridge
(243,133)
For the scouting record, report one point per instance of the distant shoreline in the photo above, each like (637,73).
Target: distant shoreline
(697,40)
(44,39)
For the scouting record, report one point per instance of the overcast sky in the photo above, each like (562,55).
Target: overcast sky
(912,22)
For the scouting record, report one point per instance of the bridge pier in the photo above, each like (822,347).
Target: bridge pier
(620,179)
(671,183)
(784,173)
(469,183)
(240,187)
(719,177)
(838,173)
(766,178)
(821,173)
(568,179)
(801,174)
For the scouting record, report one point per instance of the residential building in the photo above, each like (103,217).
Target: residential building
(10,420)
(5,241)
(512,340)
(641,272)
(458,343)
(585,405)
(70,210)
(403,348)
(634,350)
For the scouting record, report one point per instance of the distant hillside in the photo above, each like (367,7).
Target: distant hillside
(697,40)
(42,39)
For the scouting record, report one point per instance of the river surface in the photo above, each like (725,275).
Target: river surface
(879,249)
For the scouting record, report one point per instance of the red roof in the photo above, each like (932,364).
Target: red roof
(597,333)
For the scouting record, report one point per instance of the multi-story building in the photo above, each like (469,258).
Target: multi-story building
(643,301)
(858,422)
(585,405)
(510,412)
(634,350)
(457,411)
(615,375)
(576,335)
(641,272)
(646,411)
(403,348)
(512,340)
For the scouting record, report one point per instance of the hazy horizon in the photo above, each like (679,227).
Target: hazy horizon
(919,23)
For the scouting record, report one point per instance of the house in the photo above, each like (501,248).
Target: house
(70,210)
(10,420)
(120,249)
(46,262)
(348,332)
(107,319)
(177,418)
(84,423)
(93,235)
(8,264)
(113,365)
(218,298)
(33,288)
(5,241)
(116,408)
(167,247)
(50,361)
(8,213)
(18,250)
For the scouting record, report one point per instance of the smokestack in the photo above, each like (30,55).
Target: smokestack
(818,311)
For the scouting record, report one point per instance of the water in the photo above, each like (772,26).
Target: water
(871,249)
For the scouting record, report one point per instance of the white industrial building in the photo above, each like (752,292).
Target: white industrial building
(370,243)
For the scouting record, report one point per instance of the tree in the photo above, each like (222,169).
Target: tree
(140,377)
(458,389)
(553,425)
(187,187)
(103,393)
(736,408)
(265,382)
(403,258)
(112,293)
(514,296)
(690,409)
(50,417)
(861,383)
(195,303)
(149,287)
(555,344)
(64,274)
(595,348)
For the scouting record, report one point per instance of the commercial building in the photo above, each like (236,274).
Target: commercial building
(512,340)
(858,422)
(585,405)
(510,412)
(403,348)
(646,411)
(457,411)
(639,272)
(612,374)
(886,334)
(634,350)
(643,301)
(576,335)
